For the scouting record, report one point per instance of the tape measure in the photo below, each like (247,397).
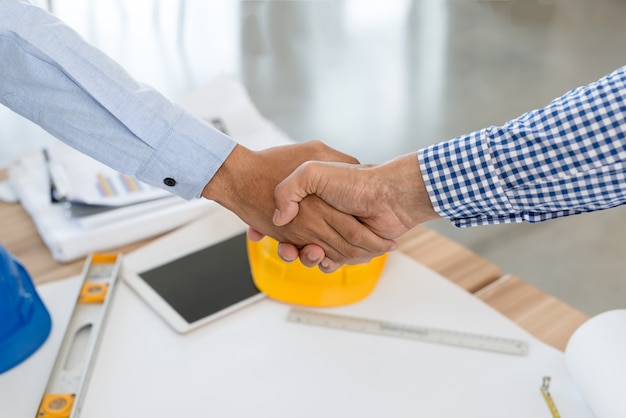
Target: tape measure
(546,395)
(68,381)
(390,329)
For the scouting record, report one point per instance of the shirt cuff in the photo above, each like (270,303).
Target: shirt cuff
(187,157)
(463,183)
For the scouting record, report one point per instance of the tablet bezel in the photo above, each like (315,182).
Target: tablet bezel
(195,237)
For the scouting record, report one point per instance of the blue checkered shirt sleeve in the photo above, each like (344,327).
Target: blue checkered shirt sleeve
(564,159)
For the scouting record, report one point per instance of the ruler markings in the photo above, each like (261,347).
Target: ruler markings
(391,329)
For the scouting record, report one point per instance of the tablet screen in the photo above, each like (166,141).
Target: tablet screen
(205,282)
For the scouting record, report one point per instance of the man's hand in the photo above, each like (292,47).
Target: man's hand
(245,185)
(389,198)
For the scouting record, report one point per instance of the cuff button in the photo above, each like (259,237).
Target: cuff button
(169,181)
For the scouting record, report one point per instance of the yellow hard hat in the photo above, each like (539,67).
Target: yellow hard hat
(297,284)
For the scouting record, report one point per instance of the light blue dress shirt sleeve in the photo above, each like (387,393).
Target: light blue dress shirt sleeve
(53,77)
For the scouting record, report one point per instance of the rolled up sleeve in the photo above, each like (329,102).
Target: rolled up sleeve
(564,159)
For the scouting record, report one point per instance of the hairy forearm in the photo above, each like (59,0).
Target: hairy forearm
(400,188)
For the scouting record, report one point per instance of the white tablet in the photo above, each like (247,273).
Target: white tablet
(198,286)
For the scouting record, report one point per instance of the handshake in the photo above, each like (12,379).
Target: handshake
(320,204)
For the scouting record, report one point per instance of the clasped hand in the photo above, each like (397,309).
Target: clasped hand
(318,233)
(389,198)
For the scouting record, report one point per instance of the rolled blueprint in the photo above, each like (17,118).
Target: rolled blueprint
(596,359)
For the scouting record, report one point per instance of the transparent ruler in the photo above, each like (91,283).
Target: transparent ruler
(68,380)
(390,329)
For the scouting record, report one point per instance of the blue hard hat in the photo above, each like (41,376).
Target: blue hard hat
(24,320)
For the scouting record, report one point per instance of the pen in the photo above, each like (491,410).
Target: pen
(55,194)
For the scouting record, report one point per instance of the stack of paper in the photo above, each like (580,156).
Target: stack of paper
(64,235)
(105,209)
(95,194)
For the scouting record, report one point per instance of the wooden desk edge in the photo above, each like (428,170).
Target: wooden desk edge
(542,315)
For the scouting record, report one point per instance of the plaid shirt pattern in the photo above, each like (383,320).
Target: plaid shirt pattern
(564,159)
